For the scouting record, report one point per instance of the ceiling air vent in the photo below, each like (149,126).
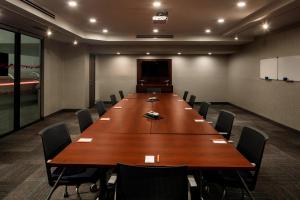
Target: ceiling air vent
(39,8)
(154,36)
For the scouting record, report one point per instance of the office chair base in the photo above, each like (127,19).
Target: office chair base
(66,194)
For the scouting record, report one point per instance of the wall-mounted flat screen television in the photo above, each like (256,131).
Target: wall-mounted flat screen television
(155,69)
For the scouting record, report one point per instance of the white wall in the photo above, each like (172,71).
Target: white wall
(204,76)
(65,77)
(276,100)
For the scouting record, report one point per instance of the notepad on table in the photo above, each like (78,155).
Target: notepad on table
(180,100)
(199,120)
(117,107)
(125,99)
(104,118)
(175,95)
(149,159)
(188,108)
(85,140)
(220,141)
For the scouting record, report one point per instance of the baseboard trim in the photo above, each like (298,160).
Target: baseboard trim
(267,119)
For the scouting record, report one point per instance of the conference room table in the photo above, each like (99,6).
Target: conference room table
(180,138)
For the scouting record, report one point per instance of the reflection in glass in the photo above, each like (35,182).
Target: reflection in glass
(7,45)
(30,79)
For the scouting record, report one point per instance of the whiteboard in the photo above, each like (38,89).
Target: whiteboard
(289,67)
(268,68)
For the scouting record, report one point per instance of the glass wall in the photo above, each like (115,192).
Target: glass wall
(7,56)
(20,69)
(30,80)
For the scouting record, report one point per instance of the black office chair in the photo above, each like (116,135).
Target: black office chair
(113,99)
(251,144)
(153,90)
(203,109)
(185,94)
(192,100)
(100,107)
(121,94)
(148,183)
(84,119)
(55,138)
(224,123)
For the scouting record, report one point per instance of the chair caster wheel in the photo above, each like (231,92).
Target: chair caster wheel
(93,188)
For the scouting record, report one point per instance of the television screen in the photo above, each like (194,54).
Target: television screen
(155,69)
(3,64)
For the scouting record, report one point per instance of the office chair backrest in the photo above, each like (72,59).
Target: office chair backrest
(225,122)
(192,100)
(113,99)
(84,119)
(148,183)
(203,109)
(100,107)
(121,94)
(185,94)
(252,144)
(54,138)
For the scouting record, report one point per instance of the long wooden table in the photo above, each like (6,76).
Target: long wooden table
(128,137)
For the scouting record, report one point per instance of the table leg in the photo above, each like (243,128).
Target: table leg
(245,185)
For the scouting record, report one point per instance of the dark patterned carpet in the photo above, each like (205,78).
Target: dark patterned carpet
(23,176)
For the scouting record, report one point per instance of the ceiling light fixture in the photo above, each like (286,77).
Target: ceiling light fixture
(221,20)
(75,42)
(208,31)
(179,53)
(118,53)
(104,30)
(236,38)
(49,32)
(209,53)
(155,30)
(148,53)
(93,20)
(265,26)
(156,4)
(72,4)
(241,4)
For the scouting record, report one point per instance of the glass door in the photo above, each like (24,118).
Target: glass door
(7,68)
(30,80)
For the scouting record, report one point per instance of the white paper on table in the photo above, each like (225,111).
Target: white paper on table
(117,107)
(85,140)
(175,95)
(188,108)
(199,120)
(125,99)
(180,100)
(149,159)
(219,142)
(104,118)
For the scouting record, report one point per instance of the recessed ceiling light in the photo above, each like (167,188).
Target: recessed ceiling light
(155,30)
(207,30)
(93,20)
(241,4)
(148,53)
(156,4)
(104,30)
(49,32)
(265,26)
(75,42)
(118,53)
(210,53)
(236,38)
(72,4)
(179,53)
(221,20)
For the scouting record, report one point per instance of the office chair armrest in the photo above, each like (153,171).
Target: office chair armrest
(223,133)
(192,181)
(230,141)
(112,179)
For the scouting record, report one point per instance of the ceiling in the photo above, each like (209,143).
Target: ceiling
(125,19)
